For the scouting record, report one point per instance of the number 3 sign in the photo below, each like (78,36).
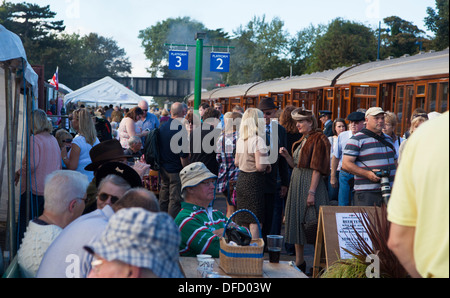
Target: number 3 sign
(179,60)
(220,62)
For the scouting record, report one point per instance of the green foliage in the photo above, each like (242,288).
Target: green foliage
(351,268)
(437,22)
(261,52)
(46,44)
(345,43)
(402,37)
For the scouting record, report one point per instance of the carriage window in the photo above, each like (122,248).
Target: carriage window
(373,102)
(432,90)
(420,102)
(443,97)
(330,93)
(399,109)
(420,90)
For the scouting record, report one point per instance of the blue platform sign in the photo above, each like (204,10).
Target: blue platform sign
(179,60)
(220,62)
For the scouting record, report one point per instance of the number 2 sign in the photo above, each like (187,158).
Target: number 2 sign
(220,62)
(179,60)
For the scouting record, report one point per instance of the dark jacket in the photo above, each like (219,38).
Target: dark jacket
(280,167)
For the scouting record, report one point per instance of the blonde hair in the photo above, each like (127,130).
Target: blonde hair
(250,125)
(86,126)
(235,125)
(62,135)
(416,122)
(40,122)
(391,118)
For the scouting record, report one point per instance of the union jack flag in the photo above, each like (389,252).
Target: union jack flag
(55,80)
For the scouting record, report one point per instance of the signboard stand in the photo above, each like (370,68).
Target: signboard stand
(328,246)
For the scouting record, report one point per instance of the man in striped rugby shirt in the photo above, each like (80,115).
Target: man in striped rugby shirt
(201,227)
(366,153)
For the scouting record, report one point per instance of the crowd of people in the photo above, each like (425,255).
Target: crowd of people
(92,215)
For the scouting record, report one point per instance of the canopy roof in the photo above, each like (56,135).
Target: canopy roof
(11,48)
(104,91)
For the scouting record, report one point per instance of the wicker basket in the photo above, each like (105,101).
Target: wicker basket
(242,260)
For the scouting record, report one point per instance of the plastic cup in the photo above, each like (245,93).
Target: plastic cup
(274,245)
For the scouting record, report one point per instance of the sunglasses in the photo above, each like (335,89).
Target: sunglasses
(421,115)
(67,141)
(104,197)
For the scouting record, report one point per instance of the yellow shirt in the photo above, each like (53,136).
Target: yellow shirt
(420,196)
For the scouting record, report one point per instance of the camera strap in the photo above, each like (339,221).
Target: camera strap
(379,138)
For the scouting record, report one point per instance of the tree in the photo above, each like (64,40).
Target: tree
(302,46)
(180,31)
(403,38)
(34,25)
(46,44)
(262,50)
(344,43)
(170,31)
(437,22)
(90,56)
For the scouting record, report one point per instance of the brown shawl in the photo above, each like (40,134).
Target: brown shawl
(315,153)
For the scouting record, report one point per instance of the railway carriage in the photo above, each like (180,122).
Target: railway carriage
(399,85)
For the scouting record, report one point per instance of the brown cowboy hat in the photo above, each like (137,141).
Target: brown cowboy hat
(267,103)
(106,151)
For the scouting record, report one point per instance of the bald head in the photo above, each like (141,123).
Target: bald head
(143,105)
(177,110)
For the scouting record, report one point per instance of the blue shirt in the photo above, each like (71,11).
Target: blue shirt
(151,122)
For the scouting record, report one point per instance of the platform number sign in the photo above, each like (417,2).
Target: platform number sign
(220,62)
(179,60)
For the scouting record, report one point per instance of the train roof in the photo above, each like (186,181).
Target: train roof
(420,65)
(391,69)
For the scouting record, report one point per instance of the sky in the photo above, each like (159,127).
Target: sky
(122,20)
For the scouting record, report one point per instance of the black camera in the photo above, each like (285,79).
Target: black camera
(385,184)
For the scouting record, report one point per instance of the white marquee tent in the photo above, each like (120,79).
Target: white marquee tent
(104,91)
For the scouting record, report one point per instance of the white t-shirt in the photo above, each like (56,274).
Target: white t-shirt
(85,158)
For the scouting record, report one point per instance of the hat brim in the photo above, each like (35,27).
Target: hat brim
(197,180)
(301,117)
(94,166)
(121,170)
(376,114)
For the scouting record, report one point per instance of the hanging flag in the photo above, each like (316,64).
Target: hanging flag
(55,80)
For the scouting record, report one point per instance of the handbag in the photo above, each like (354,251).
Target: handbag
(310,226)
(238,237)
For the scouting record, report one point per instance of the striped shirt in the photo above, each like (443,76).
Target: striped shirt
(197,227)
(371,154)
